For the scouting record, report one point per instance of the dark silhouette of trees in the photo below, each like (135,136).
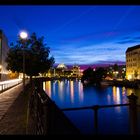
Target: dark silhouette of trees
(116,67)
(94,77)
(88,75)
(37,59)
(100,73)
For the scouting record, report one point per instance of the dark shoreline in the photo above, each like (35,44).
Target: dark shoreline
(124,83)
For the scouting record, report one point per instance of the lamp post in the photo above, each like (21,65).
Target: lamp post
(23,36)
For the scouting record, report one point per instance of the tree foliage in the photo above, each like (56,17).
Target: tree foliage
(116,67)
(94,77)
(88,74)
(100,74)
(37,59)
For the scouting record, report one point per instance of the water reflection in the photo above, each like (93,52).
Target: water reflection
(123,90)
(67,88)
(60,90)
(44,86)
(116,95)
(67,91)
(80,91)
(72,91)
(54,87)
(109,98)
(47,87)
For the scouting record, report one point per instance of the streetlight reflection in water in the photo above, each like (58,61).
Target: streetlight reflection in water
(67,94)
(65,91)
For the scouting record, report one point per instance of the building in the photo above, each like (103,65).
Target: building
(61,70)
(133,62)
(76,71)
(62,66)
(4,48)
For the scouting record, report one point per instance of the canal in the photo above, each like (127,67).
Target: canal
(72,93)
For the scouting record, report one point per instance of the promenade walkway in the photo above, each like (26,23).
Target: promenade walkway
(13,111)
(15,118)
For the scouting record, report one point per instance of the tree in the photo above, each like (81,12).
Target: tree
(123,74)
(88,75)
(37,59)
(94,77)
(100,74)
(116,67)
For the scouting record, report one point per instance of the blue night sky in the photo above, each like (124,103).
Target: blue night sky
(77,34)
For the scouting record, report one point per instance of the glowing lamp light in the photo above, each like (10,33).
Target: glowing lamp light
(129,77)
(23,35)
(117,72)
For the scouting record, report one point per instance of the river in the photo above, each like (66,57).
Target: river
(71,93)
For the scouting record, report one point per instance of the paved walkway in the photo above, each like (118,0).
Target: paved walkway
(9,108)
(8,97)
(14,114)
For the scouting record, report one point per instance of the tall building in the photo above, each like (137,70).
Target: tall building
(4,48)
(133,62)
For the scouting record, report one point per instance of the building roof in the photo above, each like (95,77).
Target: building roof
(132,48)
(62,66)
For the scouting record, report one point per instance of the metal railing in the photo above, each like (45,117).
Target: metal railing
(46,118)
(132,112)
(4,85)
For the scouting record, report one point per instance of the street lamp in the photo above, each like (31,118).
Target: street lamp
(23,36)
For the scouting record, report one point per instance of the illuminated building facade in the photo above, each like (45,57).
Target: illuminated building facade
(62,66)
(61,70)
(4,48)
(76,71)
(133,63)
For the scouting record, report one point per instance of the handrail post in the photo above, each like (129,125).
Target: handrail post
(95,108)
(133,113)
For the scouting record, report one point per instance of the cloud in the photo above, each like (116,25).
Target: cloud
(87,54)
(96,36)
(111,62)
(129,39)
